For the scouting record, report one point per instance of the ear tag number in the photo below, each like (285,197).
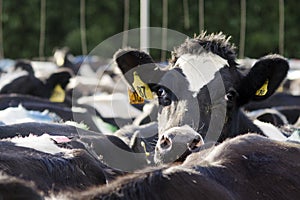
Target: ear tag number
(263,90)
(58,94)
(134,98)
(142,89)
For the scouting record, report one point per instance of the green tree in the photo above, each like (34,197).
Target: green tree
(21,24)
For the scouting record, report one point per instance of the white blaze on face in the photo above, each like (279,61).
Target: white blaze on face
(200,69)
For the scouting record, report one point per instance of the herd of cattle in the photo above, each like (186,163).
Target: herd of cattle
(207,127)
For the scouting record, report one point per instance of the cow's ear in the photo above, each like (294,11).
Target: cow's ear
(128,59)
(263,79)
(135,62)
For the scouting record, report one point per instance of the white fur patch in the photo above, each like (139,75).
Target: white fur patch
(7,78)
(43,143)
(13,115)
(270,130)
(182,134)
(200,69)
(180,168)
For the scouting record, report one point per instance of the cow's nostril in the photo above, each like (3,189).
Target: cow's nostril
(165,142)
(196,143)
(197,138)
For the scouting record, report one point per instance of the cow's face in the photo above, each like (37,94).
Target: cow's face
(193,92)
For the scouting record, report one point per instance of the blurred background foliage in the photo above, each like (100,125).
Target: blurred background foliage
(21,24)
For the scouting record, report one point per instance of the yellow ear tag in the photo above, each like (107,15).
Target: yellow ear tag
(58,94)
(142,89)
(263,90)
(134,98)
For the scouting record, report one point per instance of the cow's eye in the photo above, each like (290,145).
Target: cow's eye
(231,95)
(161,92)
(163,97)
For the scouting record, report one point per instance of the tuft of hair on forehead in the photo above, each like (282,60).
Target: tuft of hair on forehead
(217,43)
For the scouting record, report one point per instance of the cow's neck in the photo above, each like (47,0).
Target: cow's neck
(239,124)
(245,125)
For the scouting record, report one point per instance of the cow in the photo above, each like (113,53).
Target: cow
(203,86)
(108,148)
(63,58)
(59,156)
(79,113)
(22,80)
(278,116)
(248,166)
(285,103)
(51,168)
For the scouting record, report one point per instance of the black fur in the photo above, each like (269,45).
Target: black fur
(273,68)
(14,188)
(52,172)
(246,167)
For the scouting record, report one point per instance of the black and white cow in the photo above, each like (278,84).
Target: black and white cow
(51,168)
(109,149)
(203,87)
(64,58)
(286,104)
(21,79)
(58,157)
(245,167)
(79,113)
(278,116)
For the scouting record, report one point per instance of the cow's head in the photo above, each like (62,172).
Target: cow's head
(203,86)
